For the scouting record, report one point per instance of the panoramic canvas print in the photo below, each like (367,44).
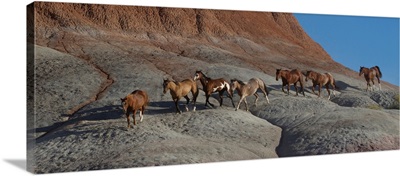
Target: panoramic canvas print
(115,86)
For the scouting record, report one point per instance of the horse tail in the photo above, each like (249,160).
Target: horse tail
(265,87)
(379,70)
(195,91)
(334,83)
(146,99)
(228,89)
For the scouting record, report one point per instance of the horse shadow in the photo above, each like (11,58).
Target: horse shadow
(95,114)
(164,107)
(343,86)
(278,88)
(101,113)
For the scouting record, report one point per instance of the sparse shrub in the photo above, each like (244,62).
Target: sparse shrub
(397,98)
(396,103)
(374,107)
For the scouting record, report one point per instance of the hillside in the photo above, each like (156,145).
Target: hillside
(87,57)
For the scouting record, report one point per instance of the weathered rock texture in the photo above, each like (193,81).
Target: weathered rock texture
(87,57)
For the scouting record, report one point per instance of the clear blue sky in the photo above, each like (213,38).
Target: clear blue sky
(356,41)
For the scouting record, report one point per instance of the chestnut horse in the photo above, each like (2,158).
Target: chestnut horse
(181,89)
(290,77)
(249,88)
(319,79)
(213,85)
(370,74)
(137,100)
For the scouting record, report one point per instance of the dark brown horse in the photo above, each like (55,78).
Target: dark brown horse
(290,77)
(319,79)
(249,88)
(213,85)
(181,89)
(370,74)
(137,100)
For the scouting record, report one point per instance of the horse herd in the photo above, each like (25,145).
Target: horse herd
(138,99)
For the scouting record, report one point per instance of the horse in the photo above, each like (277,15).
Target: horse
(290,77)
(137,100)
(213,85)
(249,88)
(370,74)
(181,89)
(319,79)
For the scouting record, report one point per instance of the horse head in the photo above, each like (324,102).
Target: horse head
(234,84)
(198,75)
(165,85)
(361,71)
(307,75)
(278,74)
(124,104)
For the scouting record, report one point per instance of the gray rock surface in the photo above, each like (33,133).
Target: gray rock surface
(59,79)
(101,140)
(313,126)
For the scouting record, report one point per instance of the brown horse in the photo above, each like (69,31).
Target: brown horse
(250,88)
(290,77)
(370,74)
(213,85)
(137,100)
(319,79)
(181,89)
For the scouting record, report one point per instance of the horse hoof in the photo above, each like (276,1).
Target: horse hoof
(236,109)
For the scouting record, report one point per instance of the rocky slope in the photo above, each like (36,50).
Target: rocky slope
(89,56)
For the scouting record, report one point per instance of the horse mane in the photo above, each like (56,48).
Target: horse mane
(134,91)
(239,81)
(204,75)
(379,70)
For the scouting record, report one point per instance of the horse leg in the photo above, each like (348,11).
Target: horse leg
(127,119)
(302,88)
(379,82)
(265,91)
(295,87)
(220,93)
(333,87)
(230,95)
(194,99)
(245,103)
(187,102)
(134,119)
(313,87)
(255,102)
(177,107)
(240,102)
(288,88)
(327,89)
(283,85)
(141,114)
(319,90)
(373,84)
(207,101)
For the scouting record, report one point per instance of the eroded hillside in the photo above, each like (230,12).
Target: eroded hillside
(87,57)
